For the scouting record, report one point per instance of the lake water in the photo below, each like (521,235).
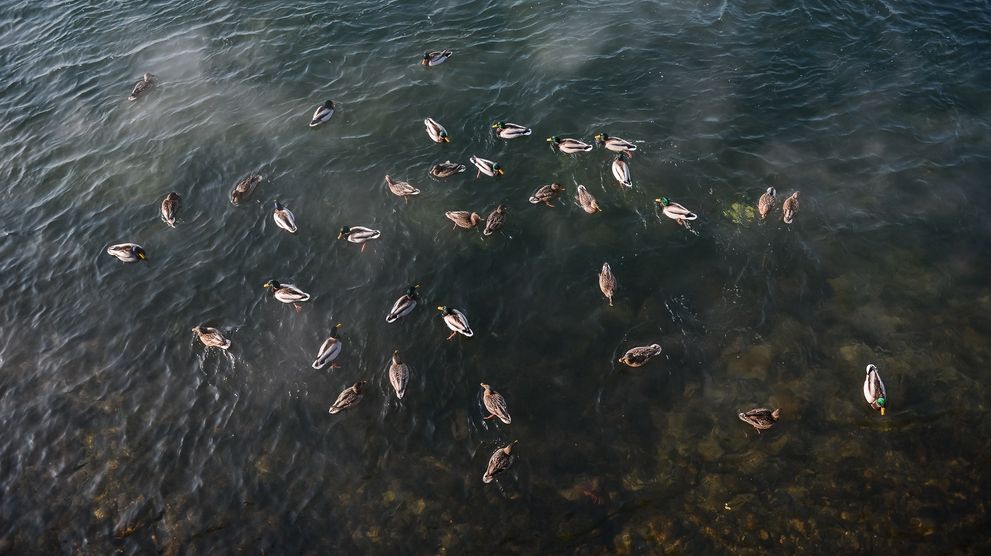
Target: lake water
(123,433)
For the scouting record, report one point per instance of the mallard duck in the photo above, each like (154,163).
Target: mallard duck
(790,208)
(766,202)
(495,404)
(500,461)
(286,293)
(329,350)
(614,144)
(446,169)
(401,188)
(358,234)
(587,201)
(621,171)
(211,337)
(567,145)
(546,194)
(143,85)
(349,397)
(486,167)
(674,211)
(463,218)
(640,356)
(244,187)
(506,130)
(170,207)
(284,218)
(435,58)
(874,391)
(128,252)
(761,418)
(323,113)
(607,283)
(404,305)
(456,321)
(436,131)
(398,375)
(495,221)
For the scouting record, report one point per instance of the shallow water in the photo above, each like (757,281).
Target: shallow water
(123,433)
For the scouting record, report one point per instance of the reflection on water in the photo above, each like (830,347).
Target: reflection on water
(124,433)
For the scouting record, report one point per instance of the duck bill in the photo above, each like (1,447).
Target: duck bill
(882,412)
(500,171)
(446,139)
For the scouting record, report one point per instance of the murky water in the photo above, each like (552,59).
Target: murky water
(122,432)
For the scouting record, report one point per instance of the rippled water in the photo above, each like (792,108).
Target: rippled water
(123,433)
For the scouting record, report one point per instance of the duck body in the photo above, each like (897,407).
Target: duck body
(587,201)
(349,397)
(766,202)
(211,337)
(170,208)
(329,350)
(495,221)
(501,460)
(790,208)
(761,418)
(323,113)
(456,321)
(446,169)
(640,356)
(404,305)
(398,375)
(143,85)
(621,171)
(507,130)
(286,293)
(358,234)
(607,282)
(675,211)
(614,144)
(284,218)
(567,145)
(495,404)
(546,194)
(874,391)
(128,252)
(243,188)
(436,131)
(487,167)
(401,188)
(463,218)
(435,58)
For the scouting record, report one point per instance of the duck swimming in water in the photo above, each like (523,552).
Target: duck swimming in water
(329,350)
(874,391)
(500,461)
(404,305)
(401,188)
(614,144)
(456,321)
(446,169)
(244,187)
(587,201)
(436,131)
(790,208)
(398,375)
(349,397)
(323,113)
(287,293)
(435,58)
(674,211)
(607,283)
(170,207)
(284,218)
(506,130)
(640,356)
(358,234)
(211,337)
(495,404)
(463,218)
(495,221)
(143,85)
(567,145)
(128,252)
(766,203)
(761,418)
(546,194)
(487,167)
(621,171)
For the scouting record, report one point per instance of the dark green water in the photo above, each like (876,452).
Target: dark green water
(122,433)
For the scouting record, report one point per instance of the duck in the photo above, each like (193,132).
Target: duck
(436,131)
(761,418)
(128,252)
(567,145)
(446,169)
(463,218)
(546,194)
(143,85)
(614,144)
(284,218)
(621,170)
(766,202)
(398,375)
(486,167)
(401,188)
(329,350)
(404,305)
(495,221)
(587,201)
(500,461)
(435,58)
(495,404)
(506,130)
(211,337)
(874,391)
(323,113)
(607,283)
(675,211)
(349,397)
(244,187)
(640,356)
(358,234)
(790,208)
(456,321)
(170,207)
(286,293)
